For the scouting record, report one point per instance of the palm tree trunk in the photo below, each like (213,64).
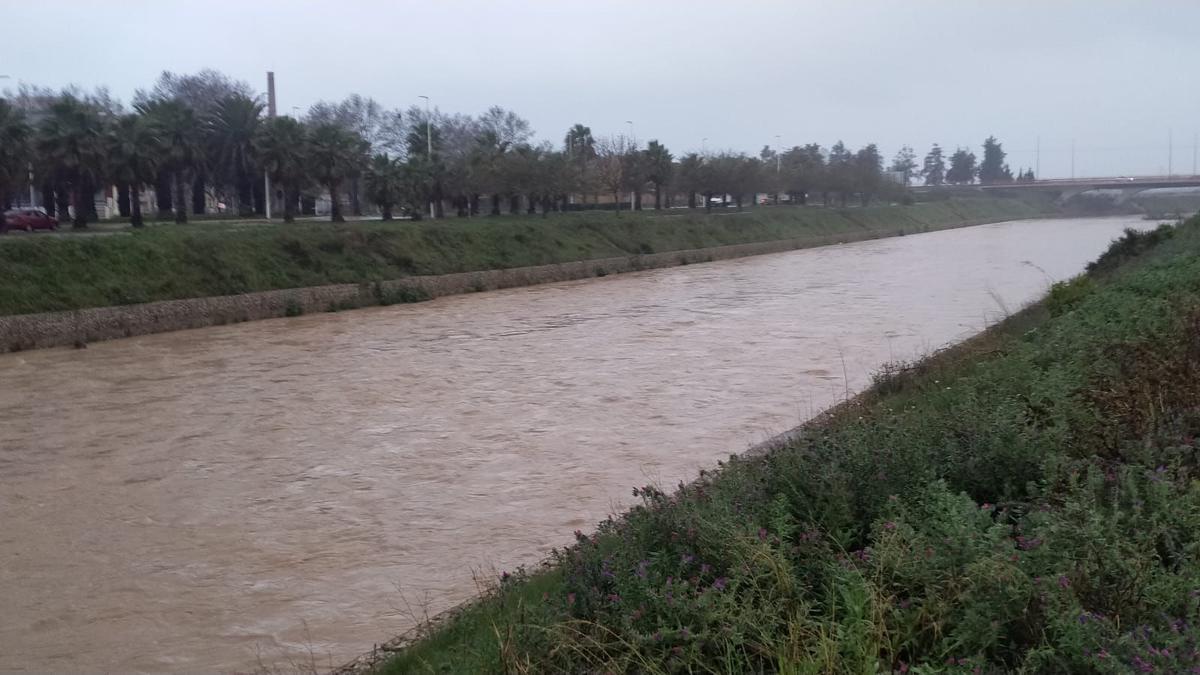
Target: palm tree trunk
(657,196)
(162,193)
(289,205)
(355,203)
(81,210)
(123,200)
(198,198)
(181,185)
(258,192)
(62,200)
(48,198)
(335,208)
(135,205)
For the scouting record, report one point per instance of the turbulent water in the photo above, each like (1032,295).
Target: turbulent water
(291,491)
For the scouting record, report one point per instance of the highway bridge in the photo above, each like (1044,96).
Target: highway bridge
(1066,188)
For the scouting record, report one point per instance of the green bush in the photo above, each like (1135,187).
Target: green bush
(1064,295)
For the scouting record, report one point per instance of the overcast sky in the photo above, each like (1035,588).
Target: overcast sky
(1114,76)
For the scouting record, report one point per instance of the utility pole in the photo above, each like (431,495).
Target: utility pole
(778,157)
(1170,152)
(268,197)
(1195,143)
(1037,160)
(429,148)
(704,146)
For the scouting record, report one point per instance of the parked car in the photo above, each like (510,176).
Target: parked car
(28,220)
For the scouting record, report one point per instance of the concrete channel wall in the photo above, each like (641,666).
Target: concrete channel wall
(78,327)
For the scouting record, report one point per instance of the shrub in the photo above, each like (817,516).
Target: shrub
(1064,295)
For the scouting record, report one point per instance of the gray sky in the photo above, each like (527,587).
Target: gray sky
(1114,76)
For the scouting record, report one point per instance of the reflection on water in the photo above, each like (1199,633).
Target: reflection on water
(217,498)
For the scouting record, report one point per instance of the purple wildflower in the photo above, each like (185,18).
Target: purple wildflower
(719,584)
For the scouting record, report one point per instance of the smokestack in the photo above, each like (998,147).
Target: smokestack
(270,93)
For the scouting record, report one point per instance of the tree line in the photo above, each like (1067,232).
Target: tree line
(964,168)
(190,137)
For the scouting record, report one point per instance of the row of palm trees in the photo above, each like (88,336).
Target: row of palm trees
(75,145)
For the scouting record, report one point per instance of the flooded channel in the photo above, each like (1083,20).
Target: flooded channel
(236,496)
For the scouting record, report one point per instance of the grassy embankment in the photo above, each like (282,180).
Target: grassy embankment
(166,262)
(1028,501)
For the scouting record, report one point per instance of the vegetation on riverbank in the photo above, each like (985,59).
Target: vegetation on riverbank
(47,273)
(1027,501)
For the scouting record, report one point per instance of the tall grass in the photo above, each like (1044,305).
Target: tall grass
(1028,502)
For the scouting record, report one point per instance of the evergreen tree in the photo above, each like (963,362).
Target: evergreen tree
(935,166)
(993,169)
(962,167)
(905,162)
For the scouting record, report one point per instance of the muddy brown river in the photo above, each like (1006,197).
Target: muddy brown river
(294,490)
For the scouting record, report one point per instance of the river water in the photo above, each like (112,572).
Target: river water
(295,490)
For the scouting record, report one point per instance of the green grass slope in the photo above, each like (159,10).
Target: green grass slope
(43,273)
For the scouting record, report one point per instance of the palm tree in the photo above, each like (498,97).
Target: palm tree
(579,142)
(133,155)
(386,183)
(659,165)
(334,154)
(181,136)
(233,127)
(580,147)
(71,138)
(282,146)
(15,136)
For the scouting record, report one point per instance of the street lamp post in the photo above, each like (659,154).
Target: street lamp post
(429,147)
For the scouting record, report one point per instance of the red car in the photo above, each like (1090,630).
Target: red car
(28,220)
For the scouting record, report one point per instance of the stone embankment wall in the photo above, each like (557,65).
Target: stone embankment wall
(53,329)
